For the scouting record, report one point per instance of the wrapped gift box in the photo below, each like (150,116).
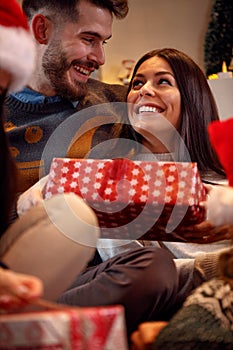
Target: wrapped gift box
(96,328)
(133,199)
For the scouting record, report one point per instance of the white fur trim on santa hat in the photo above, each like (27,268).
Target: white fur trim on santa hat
(219,205)
(17,55)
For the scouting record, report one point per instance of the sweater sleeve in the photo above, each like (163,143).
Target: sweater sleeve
(206,267)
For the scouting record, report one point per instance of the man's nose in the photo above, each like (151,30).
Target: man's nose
(97,55)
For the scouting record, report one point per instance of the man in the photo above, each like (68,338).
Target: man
(69,37)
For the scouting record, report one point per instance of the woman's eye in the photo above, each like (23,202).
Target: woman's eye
(164,81)
(136,84)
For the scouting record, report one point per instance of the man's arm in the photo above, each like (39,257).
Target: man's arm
(31,197)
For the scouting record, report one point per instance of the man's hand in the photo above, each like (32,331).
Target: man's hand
(31,197)
(17,290)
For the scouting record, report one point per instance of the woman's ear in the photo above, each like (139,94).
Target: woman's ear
(41,27)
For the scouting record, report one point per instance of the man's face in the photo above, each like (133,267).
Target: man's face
(77,50)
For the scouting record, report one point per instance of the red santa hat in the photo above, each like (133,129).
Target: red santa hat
(17,51)
(220,200)
(221,137)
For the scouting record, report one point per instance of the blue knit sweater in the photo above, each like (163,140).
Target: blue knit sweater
(40,131)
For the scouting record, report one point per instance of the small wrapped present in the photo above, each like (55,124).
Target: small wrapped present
(133,199)
(91,328)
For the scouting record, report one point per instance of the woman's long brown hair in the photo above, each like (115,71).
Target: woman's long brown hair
(198,107)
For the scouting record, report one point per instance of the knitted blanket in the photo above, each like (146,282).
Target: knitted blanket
(204,322)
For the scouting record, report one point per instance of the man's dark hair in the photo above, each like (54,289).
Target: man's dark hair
(68,8)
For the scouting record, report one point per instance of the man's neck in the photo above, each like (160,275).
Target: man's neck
(43,89)
(41,84)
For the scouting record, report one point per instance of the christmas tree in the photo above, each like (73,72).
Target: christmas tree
(219,37)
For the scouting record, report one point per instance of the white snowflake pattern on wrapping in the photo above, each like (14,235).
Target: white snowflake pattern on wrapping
(151,185)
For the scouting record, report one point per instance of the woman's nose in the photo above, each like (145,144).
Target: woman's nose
(147,89)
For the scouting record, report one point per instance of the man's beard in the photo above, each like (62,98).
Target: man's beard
(55,66)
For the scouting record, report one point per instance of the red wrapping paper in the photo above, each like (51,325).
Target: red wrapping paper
(96,328)
(133,199)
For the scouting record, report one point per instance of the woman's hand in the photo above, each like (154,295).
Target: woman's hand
(219,223)
(17,290)
(205,232)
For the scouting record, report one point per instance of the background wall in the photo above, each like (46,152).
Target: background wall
(151,24)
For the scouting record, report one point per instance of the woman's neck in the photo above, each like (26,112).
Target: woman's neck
(155,147)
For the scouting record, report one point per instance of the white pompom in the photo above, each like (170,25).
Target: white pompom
(220,205)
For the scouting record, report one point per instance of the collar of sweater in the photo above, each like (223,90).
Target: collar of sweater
(158,157)
(28,95)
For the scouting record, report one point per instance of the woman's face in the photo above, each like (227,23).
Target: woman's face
(154,100)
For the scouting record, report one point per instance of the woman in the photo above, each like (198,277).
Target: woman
(169,82)
(170,106)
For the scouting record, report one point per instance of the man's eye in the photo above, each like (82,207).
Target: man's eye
(89,40)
